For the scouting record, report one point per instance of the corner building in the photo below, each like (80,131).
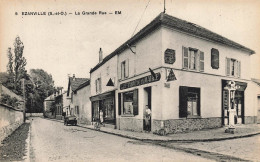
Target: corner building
(180,70)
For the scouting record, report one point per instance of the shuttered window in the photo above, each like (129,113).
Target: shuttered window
(192,59)
(233,67)
(214,58)
(130,103)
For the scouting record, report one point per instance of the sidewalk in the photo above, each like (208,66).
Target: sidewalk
(217,134)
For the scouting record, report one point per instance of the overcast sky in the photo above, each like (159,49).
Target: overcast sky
(63,45)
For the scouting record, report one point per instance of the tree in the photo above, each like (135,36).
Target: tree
(43,87)
(16,67)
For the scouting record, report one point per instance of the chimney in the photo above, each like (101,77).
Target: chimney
(100,55)
(73,78)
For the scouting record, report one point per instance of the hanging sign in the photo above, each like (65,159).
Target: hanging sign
(170,75)
(141,81)
(169,56)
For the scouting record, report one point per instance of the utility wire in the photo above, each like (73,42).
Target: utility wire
(141,18)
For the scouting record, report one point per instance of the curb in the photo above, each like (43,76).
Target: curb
(166,140)
(28,141)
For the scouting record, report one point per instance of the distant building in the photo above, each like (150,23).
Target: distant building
(78,93)
(48,104)
(180,70)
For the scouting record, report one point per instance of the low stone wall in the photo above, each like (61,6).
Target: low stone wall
(130,124)
(186,125)
(34,114)
(250,119)
(10,120)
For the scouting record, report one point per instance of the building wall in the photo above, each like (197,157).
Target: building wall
(148,55)
(165,101)
(81,99)
(175,40)
(105,72)
(10,120)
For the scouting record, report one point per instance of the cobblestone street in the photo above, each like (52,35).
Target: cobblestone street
(52,141)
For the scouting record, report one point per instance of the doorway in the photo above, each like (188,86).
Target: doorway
(147,102)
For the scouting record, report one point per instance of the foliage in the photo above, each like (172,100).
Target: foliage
(16,67)
(43,87)
(8,100)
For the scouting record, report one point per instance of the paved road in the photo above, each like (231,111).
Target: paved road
(52,141)
(244,148)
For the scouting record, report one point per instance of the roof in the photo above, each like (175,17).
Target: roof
(77,83)
(257,81)
(174,23)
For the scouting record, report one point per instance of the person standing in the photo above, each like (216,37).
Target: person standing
(101,116)
(147,118)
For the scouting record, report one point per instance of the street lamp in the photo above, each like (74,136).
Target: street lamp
(231,87)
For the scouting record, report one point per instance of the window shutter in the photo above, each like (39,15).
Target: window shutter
(185,57)
(122,70)
(201,61)
(228,66)
(119,103)
(135,102)
(100,85)
(127,68)
(183,92)
(239,69)
(198,103)
(236,68)
(96,85)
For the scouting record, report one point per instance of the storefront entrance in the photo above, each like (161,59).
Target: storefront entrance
(106,103)
(237,104)
(147,102)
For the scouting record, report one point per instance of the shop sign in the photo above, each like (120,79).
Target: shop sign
(141,81)
(170,75)
(169,56)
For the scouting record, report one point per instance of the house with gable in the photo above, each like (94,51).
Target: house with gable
(78,97)
(181,71)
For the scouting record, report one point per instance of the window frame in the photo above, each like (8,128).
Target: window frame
(187,53)
(184,93)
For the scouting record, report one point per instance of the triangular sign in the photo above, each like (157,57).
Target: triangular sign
(171,76)
(110,82)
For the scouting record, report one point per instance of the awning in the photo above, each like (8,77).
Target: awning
(103,96)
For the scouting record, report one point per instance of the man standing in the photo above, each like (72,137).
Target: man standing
(147,118)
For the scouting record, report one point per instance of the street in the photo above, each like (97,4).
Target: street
(52,141)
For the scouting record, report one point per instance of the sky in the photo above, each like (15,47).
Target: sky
(63,45)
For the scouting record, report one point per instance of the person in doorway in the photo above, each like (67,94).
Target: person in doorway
(101,116)
(147,118)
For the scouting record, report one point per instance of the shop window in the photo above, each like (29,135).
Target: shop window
(233,67)
(189,102)
(214,58)
(129,104)
(124,69)
(193,59)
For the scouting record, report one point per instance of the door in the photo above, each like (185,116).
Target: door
(147,102)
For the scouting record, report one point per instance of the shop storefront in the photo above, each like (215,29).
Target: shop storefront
(106,103)
(237,104)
